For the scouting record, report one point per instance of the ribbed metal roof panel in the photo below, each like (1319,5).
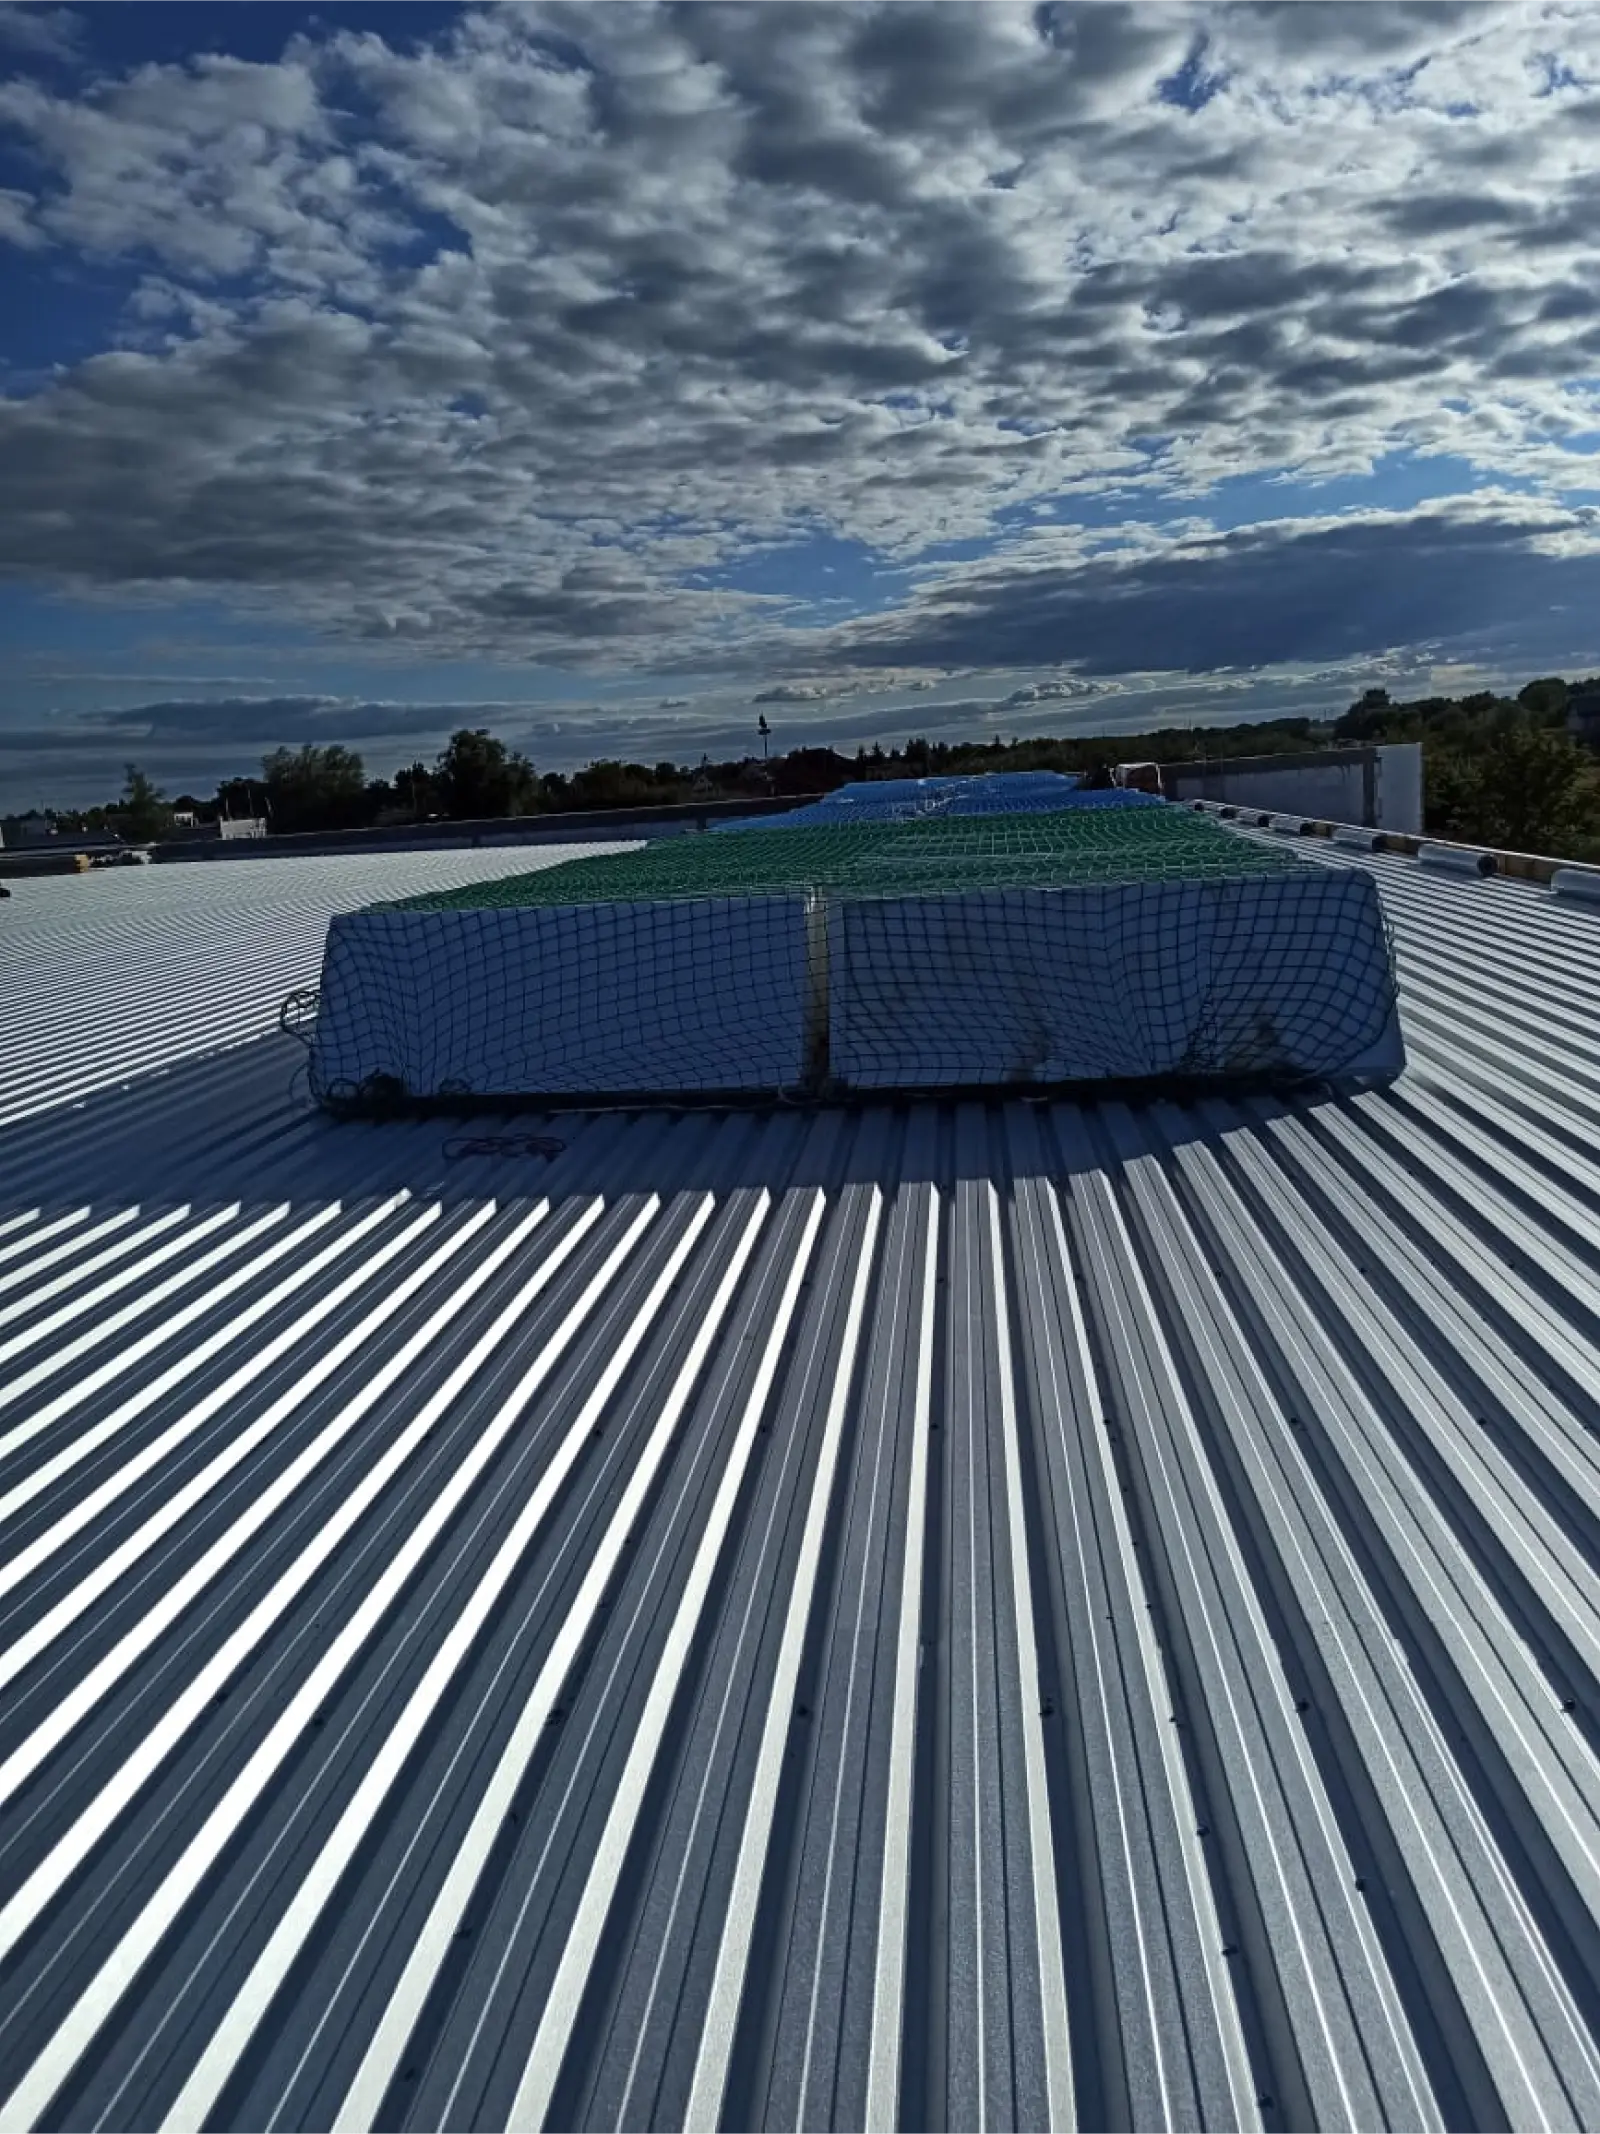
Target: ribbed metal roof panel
(983,1614)
(118,972)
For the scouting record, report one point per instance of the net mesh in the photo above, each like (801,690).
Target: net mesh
(608,998)
(926,856)
(1080,946)
(1287,975)
(992,793)
(897,799)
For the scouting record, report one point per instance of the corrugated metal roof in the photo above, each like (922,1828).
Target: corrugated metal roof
(973,1615)
(108,975)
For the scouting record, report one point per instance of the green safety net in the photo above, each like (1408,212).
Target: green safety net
(925,857)
(1139,944)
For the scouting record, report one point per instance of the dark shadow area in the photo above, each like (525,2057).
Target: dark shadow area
(240,1127)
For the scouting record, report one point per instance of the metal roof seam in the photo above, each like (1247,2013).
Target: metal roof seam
(936,1613)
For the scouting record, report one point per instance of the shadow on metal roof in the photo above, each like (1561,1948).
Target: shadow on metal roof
(238,1126)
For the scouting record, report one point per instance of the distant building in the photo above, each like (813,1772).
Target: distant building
(34,829)
(53,851)
(1583,717)
(193,827)
(1139,777)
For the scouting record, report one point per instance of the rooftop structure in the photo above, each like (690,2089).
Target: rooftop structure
(989,1613)
(963,944)
(905,799)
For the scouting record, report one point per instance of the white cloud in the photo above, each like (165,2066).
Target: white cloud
(482,348)
(41,32)
(1049,692)
(799,693)
(16,222)
(1328,589)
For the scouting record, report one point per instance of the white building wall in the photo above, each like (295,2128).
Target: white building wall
(1379,787)
(1400,787)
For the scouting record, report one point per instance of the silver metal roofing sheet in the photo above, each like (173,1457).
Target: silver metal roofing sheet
(118,972)
(953,1615)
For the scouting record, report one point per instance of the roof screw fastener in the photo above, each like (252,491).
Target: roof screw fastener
(1202,1830)
(1302,1704)
(1230,1948)
(1569,1704)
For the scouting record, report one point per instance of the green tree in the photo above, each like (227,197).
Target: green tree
(1453,800)
(415,790)
(611,784)
(478,775)
(1368,717)
(242,799)
(1546,699)
(1540,787)
(315,787)
(144,813)
(1524,789)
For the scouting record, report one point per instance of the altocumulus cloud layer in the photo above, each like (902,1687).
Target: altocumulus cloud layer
(518,341)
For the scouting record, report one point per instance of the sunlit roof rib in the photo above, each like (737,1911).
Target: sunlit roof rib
(959,1613)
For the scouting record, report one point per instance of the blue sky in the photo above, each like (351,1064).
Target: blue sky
(607,375)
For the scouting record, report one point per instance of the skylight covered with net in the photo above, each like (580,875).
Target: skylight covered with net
(922,855)
(921,950)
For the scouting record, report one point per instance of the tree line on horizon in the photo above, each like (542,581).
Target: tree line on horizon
(1498,770)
